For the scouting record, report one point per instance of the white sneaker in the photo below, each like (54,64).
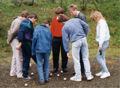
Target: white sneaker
(12,74)
(105,75)
(28,78)
(75,78)
(90,77)
(30,65)
(19,77)
(98,74)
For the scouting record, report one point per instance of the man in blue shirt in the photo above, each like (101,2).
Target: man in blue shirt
(76,30)
(41,47)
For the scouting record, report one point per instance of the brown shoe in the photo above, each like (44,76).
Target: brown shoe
(46,81)
(42,83)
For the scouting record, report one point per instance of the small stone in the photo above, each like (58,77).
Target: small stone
(51,74)
(61,71)
(32,73)
(64,78)
(58,75)
(25,84)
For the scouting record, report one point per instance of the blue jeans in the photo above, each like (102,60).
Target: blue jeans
(101,58)
(43,57)
(82,45)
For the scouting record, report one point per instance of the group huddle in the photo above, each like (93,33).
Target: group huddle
(27,42)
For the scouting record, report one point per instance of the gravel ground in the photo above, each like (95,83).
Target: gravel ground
(57,82)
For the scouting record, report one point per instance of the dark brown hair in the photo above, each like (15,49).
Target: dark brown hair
(62,18)
(59,10)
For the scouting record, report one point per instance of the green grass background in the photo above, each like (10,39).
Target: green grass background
(45,10)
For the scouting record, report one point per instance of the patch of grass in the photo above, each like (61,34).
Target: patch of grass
(45,10)
(2,54)
(112,53)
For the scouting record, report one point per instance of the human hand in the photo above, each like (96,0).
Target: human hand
(8,42)
(100,50)
(19,46)
(68,55)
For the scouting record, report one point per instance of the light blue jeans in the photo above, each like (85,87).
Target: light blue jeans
(82,45)
(101,58)
(43,57)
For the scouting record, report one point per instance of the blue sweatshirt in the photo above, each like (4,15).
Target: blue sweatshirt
(25,32)
(74,29)
(42,40)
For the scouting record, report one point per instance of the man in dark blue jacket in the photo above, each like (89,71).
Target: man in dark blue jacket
(25,35)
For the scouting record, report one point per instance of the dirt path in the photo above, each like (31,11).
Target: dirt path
(57,82)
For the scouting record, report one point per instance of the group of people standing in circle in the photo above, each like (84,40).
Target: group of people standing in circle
(27,42)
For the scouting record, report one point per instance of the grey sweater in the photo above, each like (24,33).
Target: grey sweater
(74,29)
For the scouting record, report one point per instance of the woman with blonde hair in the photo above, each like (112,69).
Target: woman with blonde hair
(102,37)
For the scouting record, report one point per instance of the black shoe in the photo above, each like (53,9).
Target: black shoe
(65,70)
(46,81)
(55,70)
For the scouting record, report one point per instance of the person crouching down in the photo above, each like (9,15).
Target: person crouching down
(41,46)
(77,30)
(102,38)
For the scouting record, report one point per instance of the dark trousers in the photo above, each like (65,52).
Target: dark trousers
(81,63)
(56,46)
(26,52)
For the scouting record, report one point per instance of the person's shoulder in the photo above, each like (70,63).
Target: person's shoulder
(54,18)
(80,13)
(37,26)
(102,21)
(17,19)
(26,21)
(74,19)
(40,27)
